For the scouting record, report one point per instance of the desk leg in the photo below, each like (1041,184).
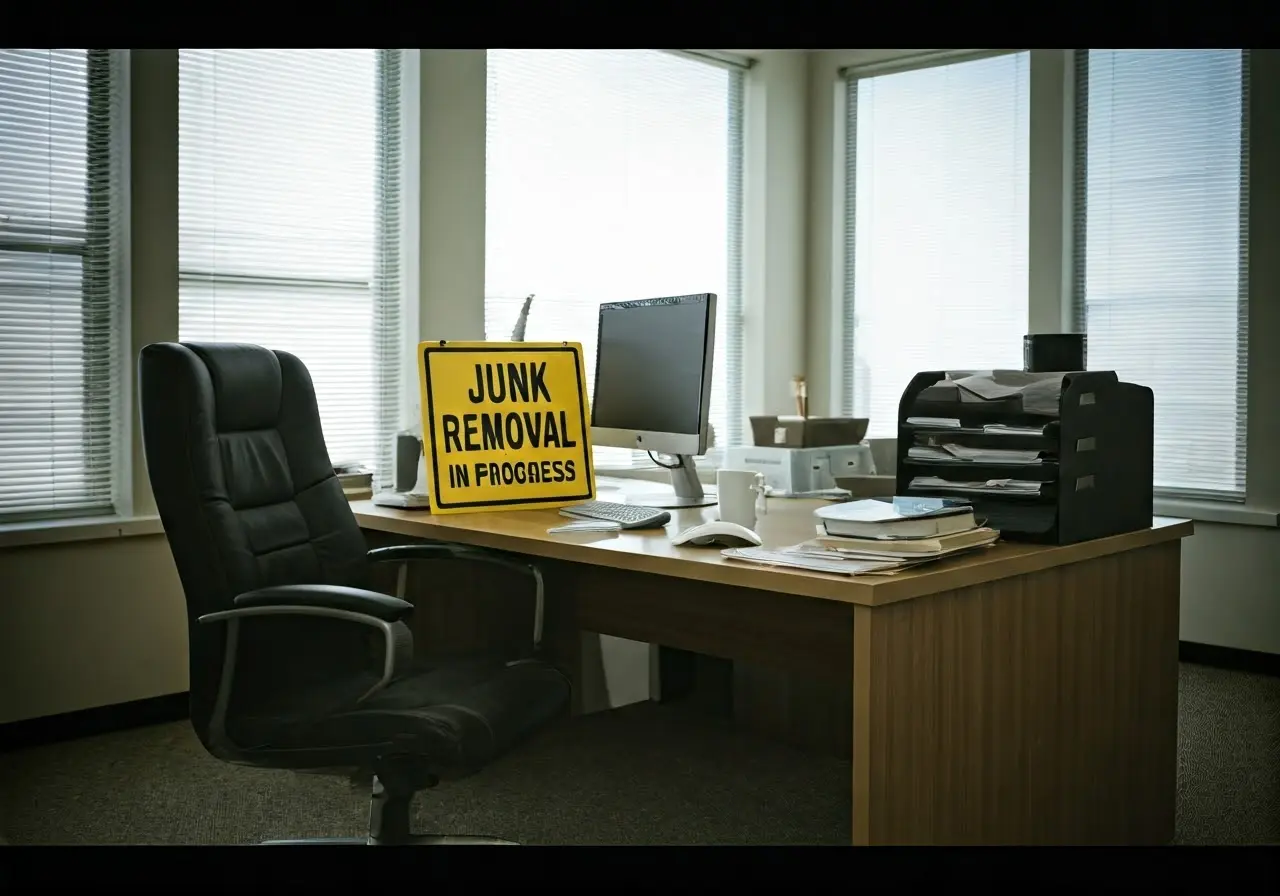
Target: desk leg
(864,704)
(1039,709)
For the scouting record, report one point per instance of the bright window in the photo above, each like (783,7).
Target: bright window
(62,233)
(1161,233)
(289,223)
(936,230)
(614,175)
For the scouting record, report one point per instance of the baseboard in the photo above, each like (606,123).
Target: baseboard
(88,722)
(174,707)
(1229,658)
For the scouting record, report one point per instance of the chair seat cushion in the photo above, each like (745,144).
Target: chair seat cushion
(456,714)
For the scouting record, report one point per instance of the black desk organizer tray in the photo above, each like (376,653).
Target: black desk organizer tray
(1095,447)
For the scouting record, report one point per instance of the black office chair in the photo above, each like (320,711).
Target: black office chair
(294,664)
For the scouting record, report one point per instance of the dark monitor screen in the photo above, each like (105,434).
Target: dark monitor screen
(649,365)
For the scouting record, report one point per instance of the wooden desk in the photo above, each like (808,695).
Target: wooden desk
(1023,695)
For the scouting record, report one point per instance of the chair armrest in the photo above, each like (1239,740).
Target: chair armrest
(403,553)
(380,611)
(329,597)
(406,553)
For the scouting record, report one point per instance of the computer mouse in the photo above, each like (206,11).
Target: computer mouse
(729,535)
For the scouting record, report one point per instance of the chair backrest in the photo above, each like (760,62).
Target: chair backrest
(243,483)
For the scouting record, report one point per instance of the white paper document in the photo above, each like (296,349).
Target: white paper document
(989,486)
(794,560)
(951,453)
(1003,429)
(938,422)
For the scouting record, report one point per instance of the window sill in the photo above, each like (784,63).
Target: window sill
(1218,512)
(19,535)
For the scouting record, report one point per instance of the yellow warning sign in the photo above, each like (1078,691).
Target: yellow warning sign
(505,425)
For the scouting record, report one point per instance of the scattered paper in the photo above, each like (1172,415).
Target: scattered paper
(940,422)
(952,453)
(1003,429)
(793,560)
(989,486)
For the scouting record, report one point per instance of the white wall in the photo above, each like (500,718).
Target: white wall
(89,623)
(774,225)
(452,181)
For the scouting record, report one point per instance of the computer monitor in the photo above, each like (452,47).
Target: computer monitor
(653,386)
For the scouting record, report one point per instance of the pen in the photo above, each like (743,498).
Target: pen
(801,393)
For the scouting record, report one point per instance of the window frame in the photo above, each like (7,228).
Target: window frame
(846,366)
(1079,111)
(113,111)
(1055,264)
(730,308)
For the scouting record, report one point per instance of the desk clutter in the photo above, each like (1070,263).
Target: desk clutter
(880,536)
(802,456)
(802,472)
(1054,458)
(356,480)
(807,432)
(409,490)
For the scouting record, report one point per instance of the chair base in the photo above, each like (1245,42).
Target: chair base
(389,816)
(417,840)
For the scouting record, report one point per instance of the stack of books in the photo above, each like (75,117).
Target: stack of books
(356,480)
(881,536)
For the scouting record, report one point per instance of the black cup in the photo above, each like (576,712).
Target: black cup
(1053,352)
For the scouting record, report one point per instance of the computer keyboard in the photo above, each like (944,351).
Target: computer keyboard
(628,516)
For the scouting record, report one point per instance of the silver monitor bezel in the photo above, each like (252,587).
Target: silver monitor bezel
(662,442)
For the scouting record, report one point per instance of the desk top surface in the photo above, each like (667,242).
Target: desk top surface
(788,522)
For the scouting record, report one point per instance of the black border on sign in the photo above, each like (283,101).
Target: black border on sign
(431,423)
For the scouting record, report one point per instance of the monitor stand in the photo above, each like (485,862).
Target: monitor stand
(687,489)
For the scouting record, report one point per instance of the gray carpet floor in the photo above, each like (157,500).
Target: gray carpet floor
(645,774)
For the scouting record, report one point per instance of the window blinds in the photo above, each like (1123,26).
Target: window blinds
(936,227)
(615,175)
(289,223)
(1162,270)
(61,236)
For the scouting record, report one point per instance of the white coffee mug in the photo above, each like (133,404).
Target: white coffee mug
(738,492)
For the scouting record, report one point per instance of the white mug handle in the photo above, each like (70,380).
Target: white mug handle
(762,506)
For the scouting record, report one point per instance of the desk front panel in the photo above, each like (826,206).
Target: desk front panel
(1036,708)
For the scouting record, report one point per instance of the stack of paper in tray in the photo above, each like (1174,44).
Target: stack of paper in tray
(880,536)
